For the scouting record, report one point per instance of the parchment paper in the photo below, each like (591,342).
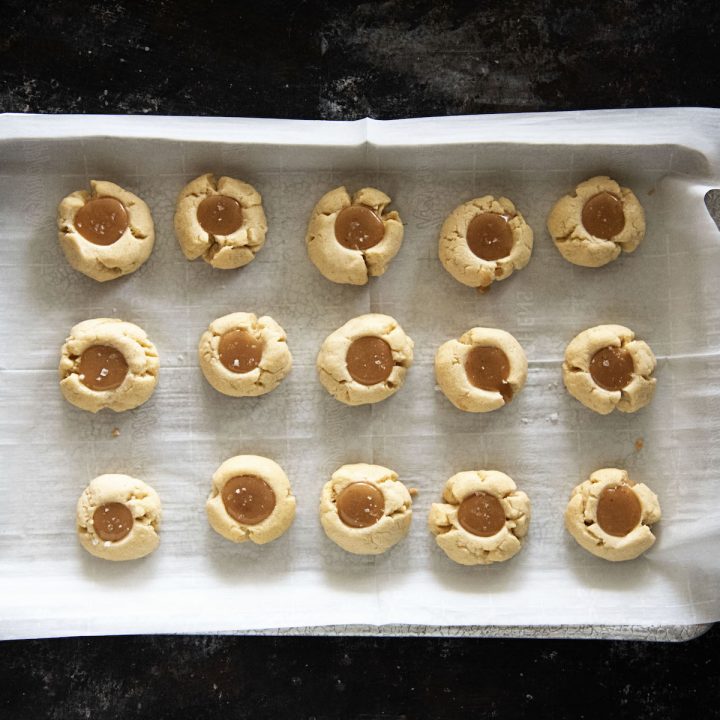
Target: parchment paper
(667,292)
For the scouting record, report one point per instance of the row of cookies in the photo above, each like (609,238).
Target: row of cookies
(109,232)
(109,363)
(365,509)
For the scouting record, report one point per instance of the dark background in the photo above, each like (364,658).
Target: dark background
(341,60)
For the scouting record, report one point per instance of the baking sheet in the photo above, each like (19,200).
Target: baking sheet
(197,582)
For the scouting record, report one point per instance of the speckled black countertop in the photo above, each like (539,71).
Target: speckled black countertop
(342,60)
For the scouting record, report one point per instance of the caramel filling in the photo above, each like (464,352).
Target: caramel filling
(102,221)
(603,215)
(239,351)
(358,228)
(488,368)
(611,368)
(220,215)
(113,522)
(489,236)
(102,367)
(360,504)
(481,514)
(618,510)
(369,360)
(248,499)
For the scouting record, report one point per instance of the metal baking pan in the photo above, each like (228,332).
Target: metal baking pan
(198,583)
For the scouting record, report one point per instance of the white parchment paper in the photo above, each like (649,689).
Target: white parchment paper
(667,292)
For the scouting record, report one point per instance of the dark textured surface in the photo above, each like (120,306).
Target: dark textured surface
(318,59)
(191,678)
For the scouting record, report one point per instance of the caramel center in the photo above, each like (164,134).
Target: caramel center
(489,236)
(248,499)
(611,368)
(220,215)
(102,221)
(358,228)
(481,514)
(360,504)
(113,522)
(618,510)
(603,215)
(102,367)
(369,360)
(488,368)
(239,351)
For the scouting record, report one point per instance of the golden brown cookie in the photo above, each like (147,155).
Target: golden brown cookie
(606,368)
(244,356)
(105,233)
(222,221)
(610,516)
(484,240)
(251,499)
(365,509)
(483,518)
(481,371)
(597,222)
(350,239)
(365,360)
(118,518)
(108,363)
